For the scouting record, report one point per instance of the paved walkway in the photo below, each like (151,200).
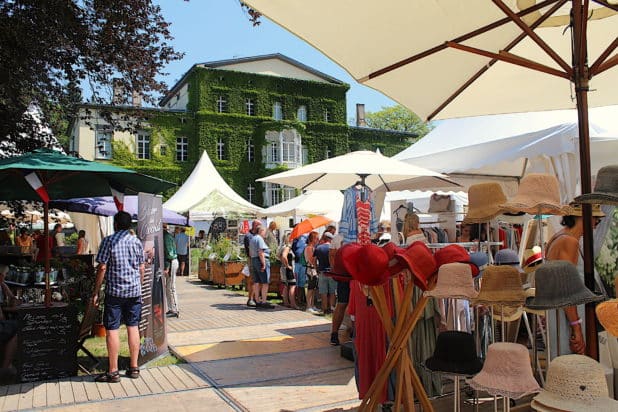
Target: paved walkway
(238,359)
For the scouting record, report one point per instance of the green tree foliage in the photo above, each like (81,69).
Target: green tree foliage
(48,47)
(397,118)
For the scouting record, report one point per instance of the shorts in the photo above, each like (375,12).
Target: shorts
(287,276)
(8,329)
(301,275)
(312,282)
(259,276)
(326,285)
(343,292)
(125,310)
(183,258)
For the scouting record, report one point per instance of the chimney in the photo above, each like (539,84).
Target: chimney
(119,96)
(136,99)
(360,115)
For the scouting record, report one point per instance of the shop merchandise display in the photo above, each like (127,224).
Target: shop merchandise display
(455,353)
(480,260)
(484,200)
(574,383)
(506,372)
(531,259)
(558,285)
(501,285)
(454,281)
(507,257)
(607,313)
(455,254)
(418,258)
(538,194)
(605,189)
(576,210)
(338,271)
(368,264)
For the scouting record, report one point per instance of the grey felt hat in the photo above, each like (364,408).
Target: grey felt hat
(558,285)
(605,188)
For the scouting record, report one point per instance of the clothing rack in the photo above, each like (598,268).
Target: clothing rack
(465,245)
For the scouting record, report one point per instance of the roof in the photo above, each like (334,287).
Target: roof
(220,64)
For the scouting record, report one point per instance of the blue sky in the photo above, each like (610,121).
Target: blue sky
(208,30)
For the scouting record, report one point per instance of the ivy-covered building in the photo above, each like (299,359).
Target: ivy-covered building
(254,116)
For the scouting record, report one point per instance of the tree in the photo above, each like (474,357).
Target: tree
(49,47)
(397,118)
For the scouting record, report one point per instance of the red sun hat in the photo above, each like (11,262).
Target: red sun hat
(395,266)
(368,264)
(418,258)
(455,254)
(338,271)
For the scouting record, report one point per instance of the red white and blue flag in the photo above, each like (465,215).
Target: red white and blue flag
(33,180)
(118,196)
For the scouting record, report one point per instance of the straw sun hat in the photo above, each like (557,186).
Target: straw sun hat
(575,383)
(454,281)
(484,200)
(506,372)
(605,188)
(577,210)
(501,285)
(607,313)
(538,194)
(558,285)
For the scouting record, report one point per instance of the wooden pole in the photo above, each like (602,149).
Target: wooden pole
(46,253)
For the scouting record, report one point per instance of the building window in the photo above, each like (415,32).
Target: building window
(277,111)
(221,104)
(220,149)
(103,143)
(327,153)
(250,150)
(143,145)
(273,152)
(163,149)
(250,193)
(288,152)
(327,115)
(301,114)
(287,193)
(249,107)
(273,193)
(182,149)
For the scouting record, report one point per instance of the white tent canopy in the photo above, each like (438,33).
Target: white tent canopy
(204,180)
(505,147)
(312,202)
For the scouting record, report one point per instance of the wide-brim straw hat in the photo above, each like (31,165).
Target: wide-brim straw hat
(575,383)
(538,193)
(607,313)
(484,200)
(501,285)
(605,188)
(454,281)
(577,210)
(455,352)
(506,372)
(558,285)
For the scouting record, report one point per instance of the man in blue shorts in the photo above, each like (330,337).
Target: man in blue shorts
(121,264)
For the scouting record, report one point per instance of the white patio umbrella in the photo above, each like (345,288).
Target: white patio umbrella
(312,202)
(376,170)
(445,59)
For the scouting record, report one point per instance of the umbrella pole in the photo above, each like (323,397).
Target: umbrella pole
(580,74)
(46,253)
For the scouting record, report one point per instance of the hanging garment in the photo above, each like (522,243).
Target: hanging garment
(348,225)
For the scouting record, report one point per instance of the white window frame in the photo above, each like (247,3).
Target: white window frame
(301,113)
(103,143)
(273,193)
(250,193)
(250,150)
(249,107)
(277,111)
(142,145)
(287,193)
(273,152)
(327,115)
(288,149)
(182,149)
(327,153)
(220,149)
(221,104)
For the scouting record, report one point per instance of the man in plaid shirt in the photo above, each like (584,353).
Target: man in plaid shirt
(121,264)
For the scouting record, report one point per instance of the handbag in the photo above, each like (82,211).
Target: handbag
(312,271)
(245,271)
(439,203)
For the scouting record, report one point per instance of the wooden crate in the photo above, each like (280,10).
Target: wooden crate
(233,275)
(217,273)
(203,272)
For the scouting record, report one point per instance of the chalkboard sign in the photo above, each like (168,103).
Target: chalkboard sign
(47,343)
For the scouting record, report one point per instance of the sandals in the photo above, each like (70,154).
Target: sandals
(133,372)
(109,377)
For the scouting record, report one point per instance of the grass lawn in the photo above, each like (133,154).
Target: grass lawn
(98,348)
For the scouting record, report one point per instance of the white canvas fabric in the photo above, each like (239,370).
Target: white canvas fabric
(312,202)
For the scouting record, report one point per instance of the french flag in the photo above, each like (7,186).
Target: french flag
(118,196)
(33,180)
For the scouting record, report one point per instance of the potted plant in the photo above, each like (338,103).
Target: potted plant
(225,262)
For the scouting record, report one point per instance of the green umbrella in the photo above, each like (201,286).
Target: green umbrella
(58,176)
(66,177)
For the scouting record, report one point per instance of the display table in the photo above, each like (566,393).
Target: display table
(47,341)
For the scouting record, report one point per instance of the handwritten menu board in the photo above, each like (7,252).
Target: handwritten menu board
(47,343)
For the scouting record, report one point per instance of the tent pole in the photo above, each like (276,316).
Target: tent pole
(46,253)
(580,73)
